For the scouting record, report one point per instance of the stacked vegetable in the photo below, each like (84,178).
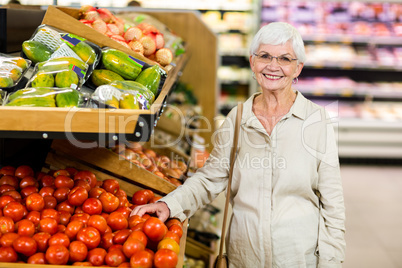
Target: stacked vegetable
(69,217)
(141,37)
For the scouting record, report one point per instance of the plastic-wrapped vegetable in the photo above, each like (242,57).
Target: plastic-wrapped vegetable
(45,97)
(63,72)
(111,97)
(48,43)
(12,69)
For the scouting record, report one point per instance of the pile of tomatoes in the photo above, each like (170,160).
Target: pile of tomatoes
(68,217)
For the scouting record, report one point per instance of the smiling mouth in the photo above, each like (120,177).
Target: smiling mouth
(272,77)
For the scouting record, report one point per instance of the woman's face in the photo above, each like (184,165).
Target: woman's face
(274,76)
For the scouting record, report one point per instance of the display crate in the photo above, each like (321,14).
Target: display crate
(86,123)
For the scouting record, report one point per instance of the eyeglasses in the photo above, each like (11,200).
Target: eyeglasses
(266,58)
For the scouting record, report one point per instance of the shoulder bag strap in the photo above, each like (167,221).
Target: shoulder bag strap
(232,159)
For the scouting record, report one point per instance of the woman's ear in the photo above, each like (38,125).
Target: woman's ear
(299,68)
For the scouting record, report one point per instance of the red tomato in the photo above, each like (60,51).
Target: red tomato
(28,190)
(35,202)
(25,245)
(115,257)
(78,210)
(139,235)
(7,170)
(34,217)
(134,220)
(155,229)
(48,225)
(98,222)
(50,202)
(25,228)
(72,171)
(61,228)
(10,180)
(42,240)
(97,256)
(173,236)
(169,244)
(62,181)
(165,258)
(5,188)
(89,236)
(64,217)
(37,258)
(92,206)
(123,201)
(23,171)
(138,227)
(109,202)
(173,221)
(176,229)
(47,181)
(124,264)
(141,259)
(78,251)
(72,229)
(125,211)
(8,254)
(142,197)
(57,254)
(7,239)
(111,186)
(61,194)
(59,239)
(86,175)
(83,183)
(117,221)
(77,196)
(121,236)
(46,191)
(65,206)
(28,181)
(96,192)
(6,225)
(14,194)
(106,241)
(50,213)
(4,200)
(14,210)
(61,172)
(132,246)
(83,217)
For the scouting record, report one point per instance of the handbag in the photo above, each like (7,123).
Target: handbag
(221,260)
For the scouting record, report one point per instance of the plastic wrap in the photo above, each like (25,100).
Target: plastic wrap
(128,73)
(12,69)
(45,97)
(48,43)
(63,72)
(108,96)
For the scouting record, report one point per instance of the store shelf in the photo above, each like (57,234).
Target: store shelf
(199,5)
(349,39)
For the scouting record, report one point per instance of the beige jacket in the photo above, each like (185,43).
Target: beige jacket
(286,194)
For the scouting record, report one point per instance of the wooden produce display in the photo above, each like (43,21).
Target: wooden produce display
(86,123)
(198,67)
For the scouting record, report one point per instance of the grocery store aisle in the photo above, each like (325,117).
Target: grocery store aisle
(373,203)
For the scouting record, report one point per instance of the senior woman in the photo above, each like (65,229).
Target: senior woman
(286,194)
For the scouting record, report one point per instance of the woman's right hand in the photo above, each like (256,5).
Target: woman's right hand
(159,208)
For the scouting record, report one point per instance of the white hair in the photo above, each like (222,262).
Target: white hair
(278,33)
